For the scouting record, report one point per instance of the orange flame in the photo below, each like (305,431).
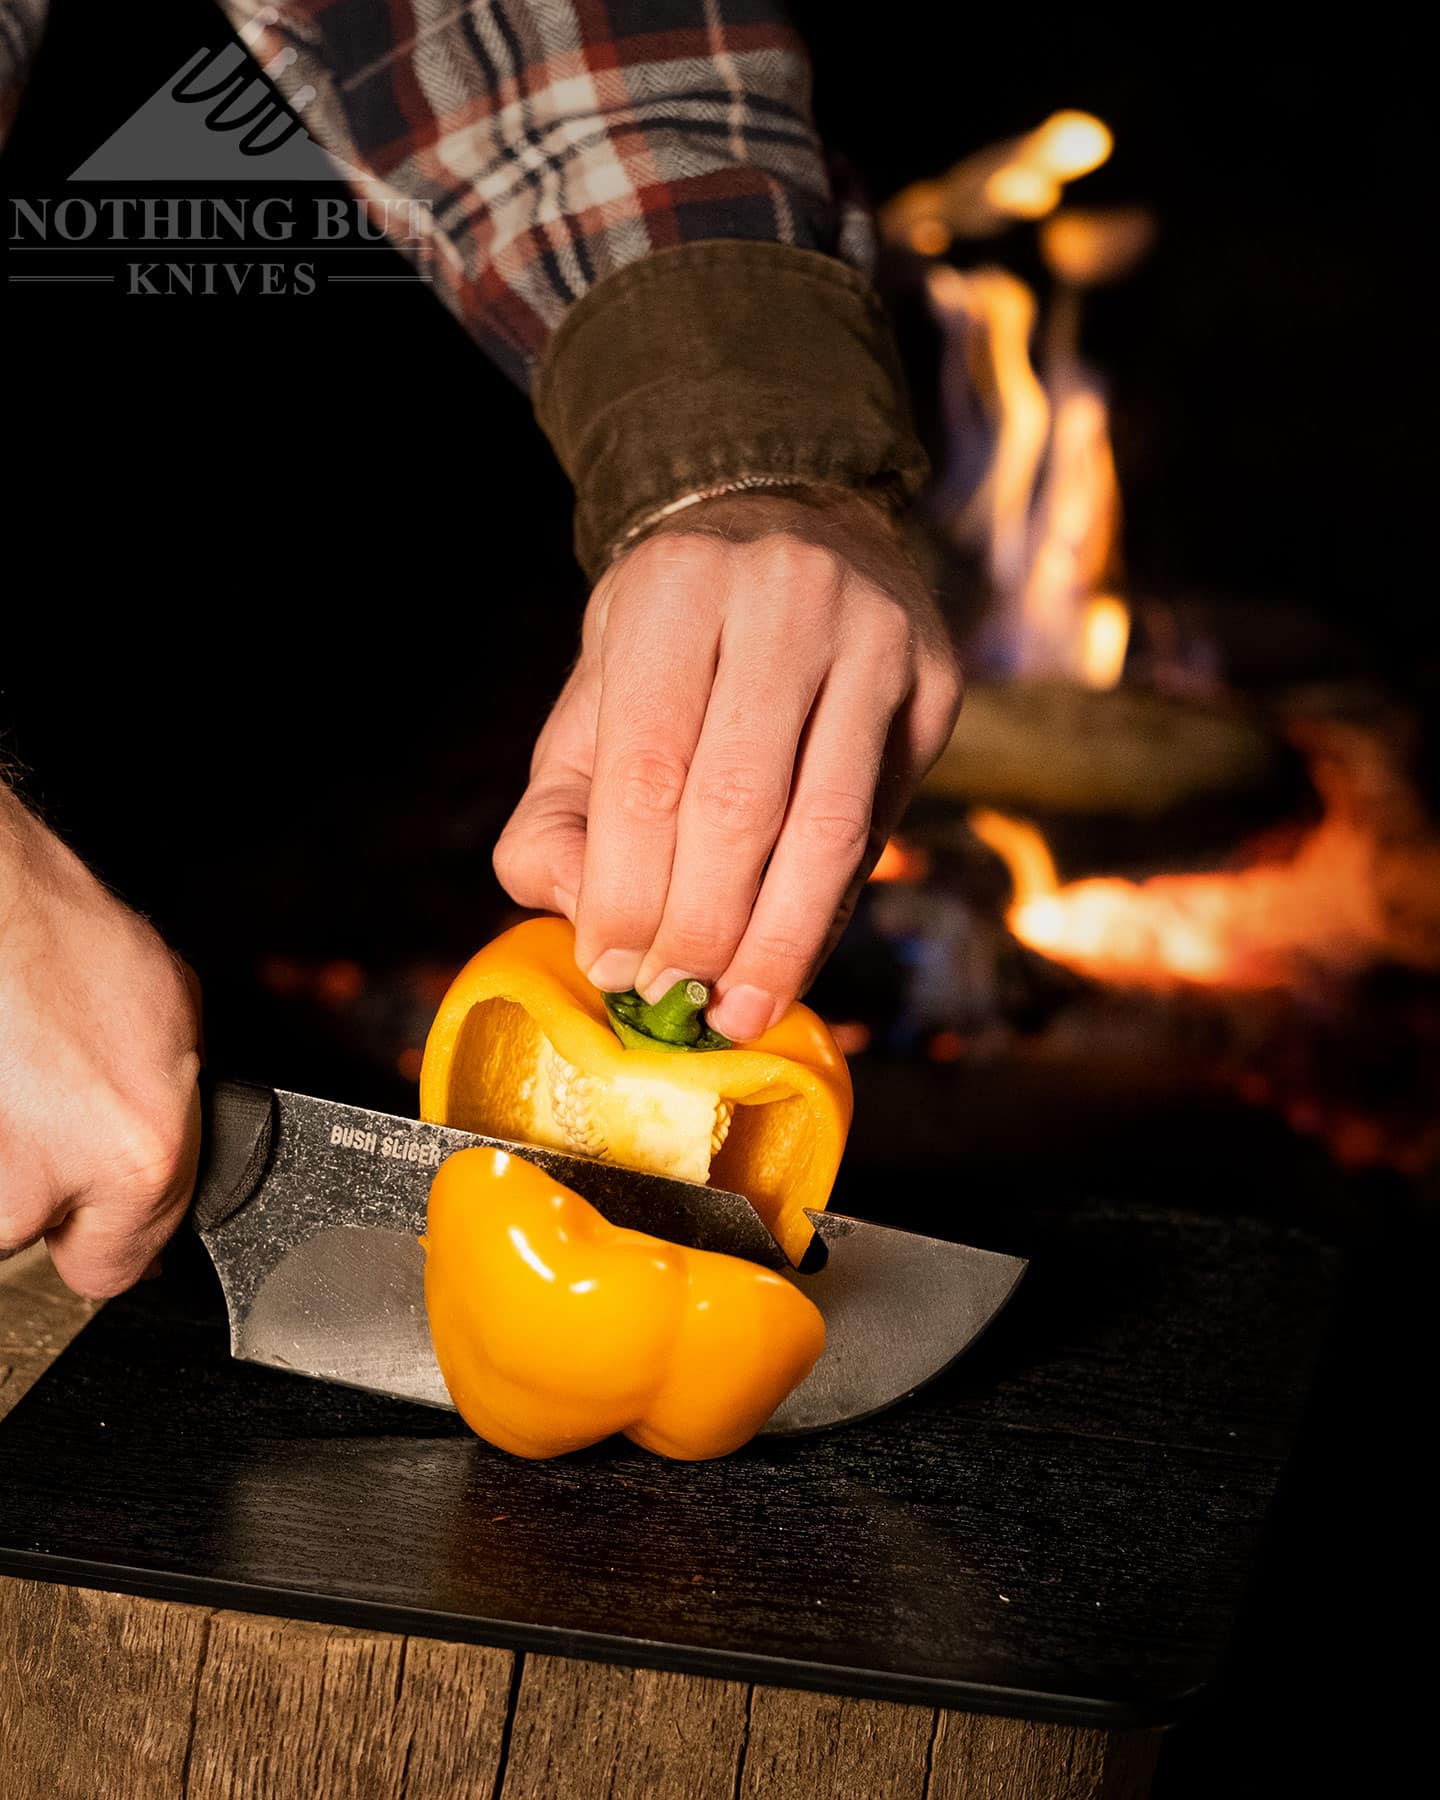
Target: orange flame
(1085,248)
(1104,639)
(1023,191)
(1076,522)
(1362,887)
(900,861)
(993,313)
(1047,515)
(1069,144)
(1020,178)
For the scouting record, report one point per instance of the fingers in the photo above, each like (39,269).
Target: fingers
(750,717)
(541,852)
(25,1214)
(112,1234)
(775,649)
(657,669)
(865,751)
(911,750)
(820,847)
(926,723)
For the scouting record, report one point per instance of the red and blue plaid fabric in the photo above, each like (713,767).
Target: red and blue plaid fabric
(551,142)
(555,141)
(21,23)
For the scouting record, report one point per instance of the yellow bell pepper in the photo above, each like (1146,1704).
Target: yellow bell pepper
(554,1328)
(524,1048)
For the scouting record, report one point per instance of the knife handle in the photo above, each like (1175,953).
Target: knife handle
(237,1126)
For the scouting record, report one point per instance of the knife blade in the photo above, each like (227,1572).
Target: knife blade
(311,1212)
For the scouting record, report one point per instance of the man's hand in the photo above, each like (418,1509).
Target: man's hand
(762,682)
(99,1115)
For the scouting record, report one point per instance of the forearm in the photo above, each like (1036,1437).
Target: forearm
(22,24)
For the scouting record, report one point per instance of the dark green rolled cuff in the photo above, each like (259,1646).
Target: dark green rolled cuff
(722,362)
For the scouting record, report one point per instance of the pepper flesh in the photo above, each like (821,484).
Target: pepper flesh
(554,1328)
(522,1048)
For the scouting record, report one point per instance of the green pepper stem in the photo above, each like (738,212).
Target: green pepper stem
(675,1022)
(675,1016)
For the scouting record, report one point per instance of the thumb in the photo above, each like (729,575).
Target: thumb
(542,849)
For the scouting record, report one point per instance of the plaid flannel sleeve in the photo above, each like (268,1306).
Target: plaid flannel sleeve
(554,142)
(21,25)
(633,215)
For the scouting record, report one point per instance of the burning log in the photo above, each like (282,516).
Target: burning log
(1361,889)
(1056,748)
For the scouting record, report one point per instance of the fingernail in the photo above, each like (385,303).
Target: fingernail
(741,1013)
(658,986)
(615,971)
(565,903)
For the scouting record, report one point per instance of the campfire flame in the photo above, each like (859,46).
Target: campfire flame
(1362,887)
(899,861)
(1046,514)
(1069,144)
(988,316)
(1074,529)
(987,191)
(1022,191)
(1104,639)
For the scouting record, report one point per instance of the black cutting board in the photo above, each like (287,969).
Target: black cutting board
(1063,1527)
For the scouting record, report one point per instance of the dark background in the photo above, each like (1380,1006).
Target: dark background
(288,585)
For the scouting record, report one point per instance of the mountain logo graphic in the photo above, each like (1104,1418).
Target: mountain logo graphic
(217,119)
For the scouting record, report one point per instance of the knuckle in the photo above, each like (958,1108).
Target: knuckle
(647,786)
(739,799)
(514,858)
(97,1272)
(98,1287)
(506,859)
(945,683)
(889,629)
(694,930)
(792,559)
(786,955)
(625,915)
(837,824)
(18,1230)
(947,672)
(26,1210)
(146,1155)
(692,947)
(174,993)
(597,615)
(615,916)
(674,557)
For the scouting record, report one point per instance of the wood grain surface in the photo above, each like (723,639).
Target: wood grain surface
(105,1695)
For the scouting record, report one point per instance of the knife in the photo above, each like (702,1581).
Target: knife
(311,1212)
